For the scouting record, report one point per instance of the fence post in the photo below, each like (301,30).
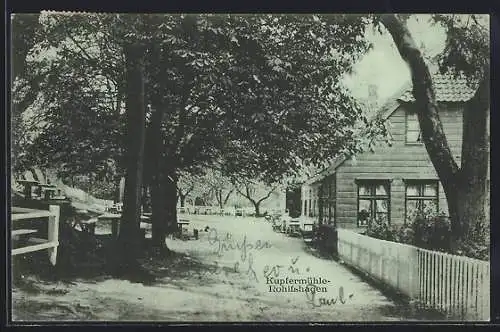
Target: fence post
(413,268)
(53,232)
(485,290)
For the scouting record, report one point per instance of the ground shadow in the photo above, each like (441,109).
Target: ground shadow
(404,307)
(85,257)
(313,249)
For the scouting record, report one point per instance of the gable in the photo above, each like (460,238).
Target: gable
(448,91)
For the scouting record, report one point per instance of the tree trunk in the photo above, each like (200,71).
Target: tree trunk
(257,208)
(473,184)
(158,194)
(218,195)
(128,239)
(159,225)
(183,199)
(171,202)
(227,197)
(465,188)
(164,217)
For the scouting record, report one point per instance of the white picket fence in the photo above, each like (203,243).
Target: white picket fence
(456,285)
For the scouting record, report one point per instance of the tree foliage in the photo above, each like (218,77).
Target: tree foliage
(257,90)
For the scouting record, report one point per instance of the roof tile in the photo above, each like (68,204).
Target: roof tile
(447,89)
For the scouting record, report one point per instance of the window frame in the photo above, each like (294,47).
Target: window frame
(327,200)
(421,196)
(373,197)
(419,141)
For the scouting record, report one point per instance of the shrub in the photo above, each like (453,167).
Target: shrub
(432,231)
(379,229)
(474,249)
(405,234)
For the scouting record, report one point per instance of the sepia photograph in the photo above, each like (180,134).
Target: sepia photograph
(263,167)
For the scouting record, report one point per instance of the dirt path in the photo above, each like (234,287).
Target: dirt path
(219,277)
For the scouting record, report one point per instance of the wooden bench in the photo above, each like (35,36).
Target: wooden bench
(116,219)
(36,244)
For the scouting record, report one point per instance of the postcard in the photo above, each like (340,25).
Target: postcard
(181,168)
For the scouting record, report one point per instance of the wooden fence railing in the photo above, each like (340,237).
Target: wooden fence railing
(456,285)
(50,243)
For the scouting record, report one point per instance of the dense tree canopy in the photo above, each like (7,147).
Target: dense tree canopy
(241,88)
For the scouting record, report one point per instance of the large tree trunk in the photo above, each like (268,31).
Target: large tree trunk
(158,197)
(158,194)
(171,202)
(164,217)
(128,239)
(465,188)
(473,184)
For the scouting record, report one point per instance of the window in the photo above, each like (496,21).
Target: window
(413,135)
(373,201)
(421,196)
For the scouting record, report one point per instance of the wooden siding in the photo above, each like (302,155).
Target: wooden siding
(397,163)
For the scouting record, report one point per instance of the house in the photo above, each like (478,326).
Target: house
(393,181)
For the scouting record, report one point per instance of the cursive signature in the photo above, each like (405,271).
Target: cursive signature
(247,267)
(276,270)
(317,302)
(227,243)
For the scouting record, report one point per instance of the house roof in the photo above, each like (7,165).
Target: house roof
(447,89)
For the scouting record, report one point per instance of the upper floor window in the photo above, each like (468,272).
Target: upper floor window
(422,196)
(373,201)
(413,134)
